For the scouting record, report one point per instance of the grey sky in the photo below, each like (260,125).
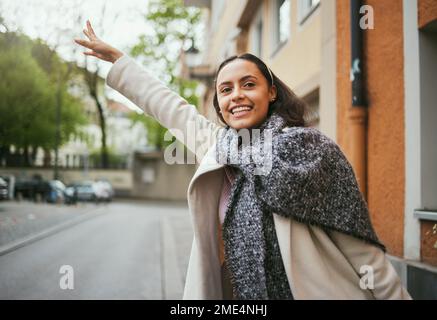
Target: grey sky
(124,21)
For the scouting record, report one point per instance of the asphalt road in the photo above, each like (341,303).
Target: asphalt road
(131,250)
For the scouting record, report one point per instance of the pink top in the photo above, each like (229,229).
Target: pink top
(228,179)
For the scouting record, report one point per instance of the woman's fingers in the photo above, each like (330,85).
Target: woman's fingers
(84,43)
(95,54)
(90,29)
(91,53)
(87,33)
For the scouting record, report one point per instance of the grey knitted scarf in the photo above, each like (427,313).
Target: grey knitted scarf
(299,173)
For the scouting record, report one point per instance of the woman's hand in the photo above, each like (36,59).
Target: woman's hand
(98,48)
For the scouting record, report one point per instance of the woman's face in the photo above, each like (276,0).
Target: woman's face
(243,94)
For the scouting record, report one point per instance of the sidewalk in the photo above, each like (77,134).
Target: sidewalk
(24,222)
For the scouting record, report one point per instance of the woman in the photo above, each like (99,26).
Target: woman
(275,216)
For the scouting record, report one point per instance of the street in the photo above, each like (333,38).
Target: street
(128,250)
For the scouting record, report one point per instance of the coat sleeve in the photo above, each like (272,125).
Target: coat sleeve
(369,260)
(158,101)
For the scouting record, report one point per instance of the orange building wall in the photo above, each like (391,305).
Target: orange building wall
(383,68)
(427,11)
(344,95)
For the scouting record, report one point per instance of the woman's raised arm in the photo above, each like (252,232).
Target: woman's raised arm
(155,98)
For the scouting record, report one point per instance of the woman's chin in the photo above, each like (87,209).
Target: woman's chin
(238,124)
(241,124)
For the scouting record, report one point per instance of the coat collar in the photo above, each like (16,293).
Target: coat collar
(209,163)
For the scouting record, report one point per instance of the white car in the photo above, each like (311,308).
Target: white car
(104,190)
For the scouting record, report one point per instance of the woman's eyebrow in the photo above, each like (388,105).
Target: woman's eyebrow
(241,80)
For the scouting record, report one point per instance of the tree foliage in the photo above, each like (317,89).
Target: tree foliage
(28,90)
(174,27)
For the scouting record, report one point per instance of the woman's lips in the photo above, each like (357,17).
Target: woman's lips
(241,114)
(243,111)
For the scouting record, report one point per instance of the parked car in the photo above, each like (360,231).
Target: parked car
(26,189)
(53,191)
(70,195)
(105,191)
(38,190)
(96,191)
(4,191)
(83,191)
(10,181)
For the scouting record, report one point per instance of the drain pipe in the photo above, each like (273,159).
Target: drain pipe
(357,114)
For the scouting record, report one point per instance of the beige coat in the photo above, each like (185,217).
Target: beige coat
(318,265)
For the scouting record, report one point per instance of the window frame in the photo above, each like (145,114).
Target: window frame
(305,11)
(257,31)
(277,43)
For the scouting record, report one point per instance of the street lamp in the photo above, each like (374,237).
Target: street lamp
(195,69)
(192,56)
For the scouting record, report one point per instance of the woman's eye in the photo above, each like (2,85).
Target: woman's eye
(249,84)
(225,90)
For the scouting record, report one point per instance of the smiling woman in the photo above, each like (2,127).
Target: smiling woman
(299,230)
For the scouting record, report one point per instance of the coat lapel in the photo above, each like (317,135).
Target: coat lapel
(203,198)
(208,163)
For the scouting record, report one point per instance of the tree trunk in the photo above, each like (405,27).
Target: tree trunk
(4,151)
(26,156)
(47,158)
(104,150)
(92,81)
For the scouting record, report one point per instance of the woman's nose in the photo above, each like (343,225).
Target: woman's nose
(237,94)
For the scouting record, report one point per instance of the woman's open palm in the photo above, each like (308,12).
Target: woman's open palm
(99,49)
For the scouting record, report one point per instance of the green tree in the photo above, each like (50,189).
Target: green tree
(28,102)
(174,27)
(58,34)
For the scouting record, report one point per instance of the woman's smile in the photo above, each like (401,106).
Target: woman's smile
(240,111)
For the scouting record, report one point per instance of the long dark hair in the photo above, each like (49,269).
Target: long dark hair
(287,105)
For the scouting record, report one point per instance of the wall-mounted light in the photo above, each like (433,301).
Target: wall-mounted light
(192,56)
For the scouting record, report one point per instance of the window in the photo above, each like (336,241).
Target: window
(217,12)
(306,8)
(281,25)
(283,22)
(428,113)
(257,35)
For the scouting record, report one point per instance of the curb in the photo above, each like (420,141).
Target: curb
(5,249)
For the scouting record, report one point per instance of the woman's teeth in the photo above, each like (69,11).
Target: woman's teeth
(240,109)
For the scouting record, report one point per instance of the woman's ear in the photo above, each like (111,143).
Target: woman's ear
(273,92)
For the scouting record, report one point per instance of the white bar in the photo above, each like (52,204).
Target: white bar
(412,131)
(426,215)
